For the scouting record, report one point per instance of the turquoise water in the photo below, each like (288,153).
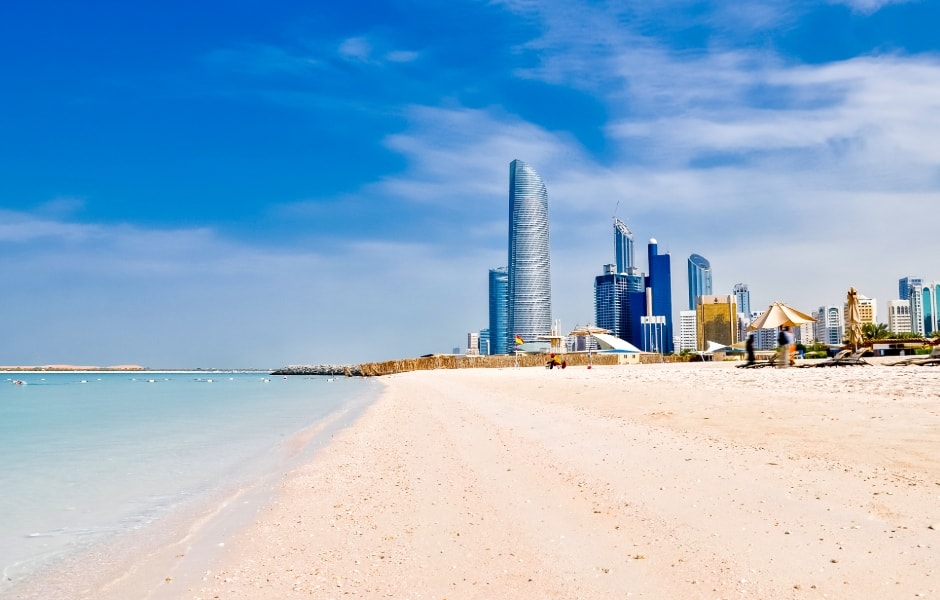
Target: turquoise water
(87,457)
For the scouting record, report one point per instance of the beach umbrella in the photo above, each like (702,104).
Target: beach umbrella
(853,319)
(588,330)
(779,314)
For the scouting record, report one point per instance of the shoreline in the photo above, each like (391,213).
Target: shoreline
(682,481)
(692,480)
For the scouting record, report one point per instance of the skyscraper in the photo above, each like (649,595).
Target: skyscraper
(530,289)
(905,284)
(743,297)
(610,298)
(700,279)
(716,319)
(659,283)
(499,342)
(623,239)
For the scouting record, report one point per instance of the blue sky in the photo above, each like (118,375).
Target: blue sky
(258,184)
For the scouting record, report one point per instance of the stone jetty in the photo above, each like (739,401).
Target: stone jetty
(346,370)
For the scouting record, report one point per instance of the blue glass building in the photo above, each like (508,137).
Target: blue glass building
(623,241)
(743,297)
(530,289)
(700,279)
(499,312)
(659,281)
(905,284)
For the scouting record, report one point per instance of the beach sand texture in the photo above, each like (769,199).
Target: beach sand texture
(655,481)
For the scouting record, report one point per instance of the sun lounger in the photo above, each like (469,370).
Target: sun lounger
(929,360)
(846,358)
(760,363)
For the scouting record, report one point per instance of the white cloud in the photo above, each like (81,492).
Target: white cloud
(357,48)
(867,7)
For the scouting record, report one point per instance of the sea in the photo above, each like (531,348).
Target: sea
(94,463)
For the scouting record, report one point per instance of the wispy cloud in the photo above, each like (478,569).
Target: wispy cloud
(867,7)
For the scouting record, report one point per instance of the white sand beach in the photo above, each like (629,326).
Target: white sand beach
(651,481)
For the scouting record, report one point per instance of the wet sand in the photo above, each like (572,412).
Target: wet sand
(648,481)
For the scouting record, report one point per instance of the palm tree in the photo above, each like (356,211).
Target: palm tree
(872,331)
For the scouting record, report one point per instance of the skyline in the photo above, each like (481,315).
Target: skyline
(267,184)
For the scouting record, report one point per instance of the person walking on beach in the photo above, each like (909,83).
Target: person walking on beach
(749,349)
(785,339)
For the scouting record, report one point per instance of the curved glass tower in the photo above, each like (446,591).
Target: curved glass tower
(530,286)
(700,278)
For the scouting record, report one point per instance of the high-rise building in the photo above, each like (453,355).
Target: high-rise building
(623,240)
(916,297)
(716,320)
(473,343)
(804,334)
(688,336)
(499,342)
(931,306)
(609,297)
(899,316)
(530,286)
(485,341)
(700,279)
(743,298)
(659,305)
(829,325)
(867,310)
(905,284)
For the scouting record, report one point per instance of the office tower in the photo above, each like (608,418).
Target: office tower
(936,308)
(623,240)
(766,339)
(804,334)
(499,312)
(743,298)
(485,342)
(930,306)
(659,300)
(829,325)
(915,294)
(609,298)
(899,316)
(530,289)
(716,320)
(688,336)
(867,309)
(905,284)
(473,343)
(700,279)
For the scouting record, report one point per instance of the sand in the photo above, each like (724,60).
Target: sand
(648,481)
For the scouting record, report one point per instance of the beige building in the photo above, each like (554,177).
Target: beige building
(899,316)
(716,320)
(867,310)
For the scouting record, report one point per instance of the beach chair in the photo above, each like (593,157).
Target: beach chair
(930,360)
(760,363)
(846,358)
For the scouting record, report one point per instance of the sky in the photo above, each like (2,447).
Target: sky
(256,184)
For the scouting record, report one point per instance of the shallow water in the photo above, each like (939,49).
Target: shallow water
(87,457)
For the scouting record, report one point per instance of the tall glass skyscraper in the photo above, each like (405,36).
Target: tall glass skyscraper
(743,297)
(659,281)
(700,279)
(623,239)
(905,284)
(530,286)
(499,312)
